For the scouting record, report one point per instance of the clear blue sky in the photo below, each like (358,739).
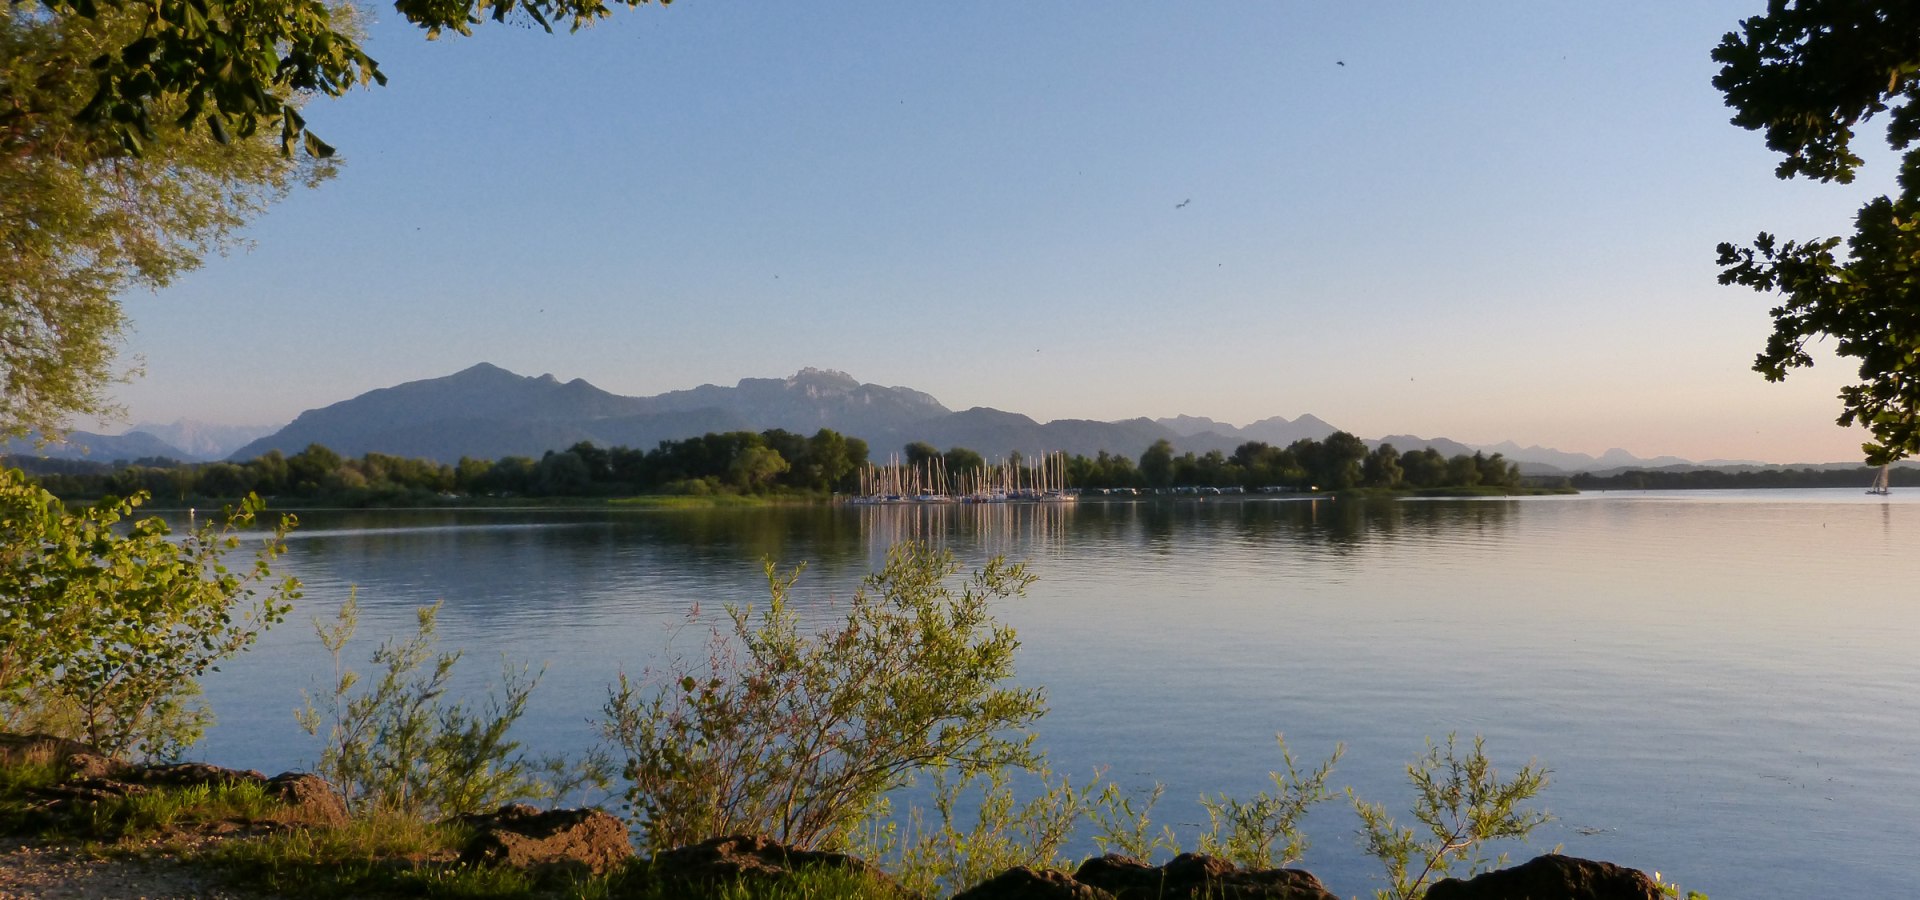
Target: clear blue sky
(1495,220)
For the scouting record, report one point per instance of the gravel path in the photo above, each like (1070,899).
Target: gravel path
(32,870)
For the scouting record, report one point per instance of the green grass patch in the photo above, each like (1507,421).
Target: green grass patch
(382,854)
(161,810)
(15,781)
(151,812)
(1478,490)
(638,882)
(706,501)
(1492,491)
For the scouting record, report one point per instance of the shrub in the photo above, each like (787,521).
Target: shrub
(948,851)
(1121,828)
(1245,831)
(105,628)
(799,737)
(401,748)
(1462,804)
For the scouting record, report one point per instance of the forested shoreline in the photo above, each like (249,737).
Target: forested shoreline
(782,464)
(772,463)
(1714,479)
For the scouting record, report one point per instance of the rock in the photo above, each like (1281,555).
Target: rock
(83,792)
(93,765)
(1022,883)
(78,759)
(1551,877)
(530,838)
(1191,875)
(310,797)
(748,858)
(187,775)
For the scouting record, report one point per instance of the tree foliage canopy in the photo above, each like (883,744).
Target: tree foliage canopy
(106,622)
(83,219)
(1808,74)
(238,67)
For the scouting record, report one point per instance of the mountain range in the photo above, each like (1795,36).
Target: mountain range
(487,412)
(184,440)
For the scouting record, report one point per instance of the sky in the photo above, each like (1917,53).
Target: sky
(1480,221)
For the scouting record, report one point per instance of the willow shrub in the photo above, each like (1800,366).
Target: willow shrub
(799,736)
(1461,805)
(106,626)
(397,745)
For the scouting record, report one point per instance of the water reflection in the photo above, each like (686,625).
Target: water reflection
(494,566)
(1669,656)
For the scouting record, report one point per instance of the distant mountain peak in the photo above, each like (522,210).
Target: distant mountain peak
(1187,426)
(823,375)
(201,440)
(488,412)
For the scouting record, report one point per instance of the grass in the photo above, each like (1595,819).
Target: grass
(15,782)
(161,810)
(637,882)
(1478,490)
(643,501)
(710,501)
(398,856)
(382,854)
(152,813)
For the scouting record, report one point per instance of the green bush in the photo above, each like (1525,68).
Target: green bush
(1244,831)
(401,748)
(105,628)
(800,736)
(945,852)
(1461,805)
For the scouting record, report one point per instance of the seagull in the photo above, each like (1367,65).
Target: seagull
(1183,203)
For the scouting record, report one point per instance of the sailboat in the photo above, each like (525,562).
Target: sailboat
(1880,484)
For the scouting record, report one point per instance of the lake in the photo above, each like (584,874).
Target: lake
(1725,684)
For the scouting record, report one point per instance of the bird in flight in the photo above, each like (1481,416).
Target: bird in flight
(1183,203)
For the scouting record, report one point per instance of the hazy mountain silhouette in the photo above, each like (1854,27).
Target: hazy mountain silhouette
(1204,434)
(204,440)
(103,448)
(488,412)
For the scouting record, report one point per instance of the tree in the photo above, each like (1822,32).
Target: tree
(311,469)
(83,219)
(830,459)
(561,474)
(1807,73)
(239,68)
(1156,465)
(1424,468)
(960,459)
(105,625)
(756,467)
(919,453)
(1335,463)
(1382,467)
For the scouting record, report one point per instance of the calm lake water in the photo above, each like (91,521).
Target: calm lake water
(1726,685)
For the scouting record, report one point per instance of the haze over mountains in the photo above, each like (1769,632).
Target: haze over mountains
(488,412)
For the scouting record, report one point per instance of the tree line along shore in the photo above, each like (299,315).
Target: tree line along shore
(767,464)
